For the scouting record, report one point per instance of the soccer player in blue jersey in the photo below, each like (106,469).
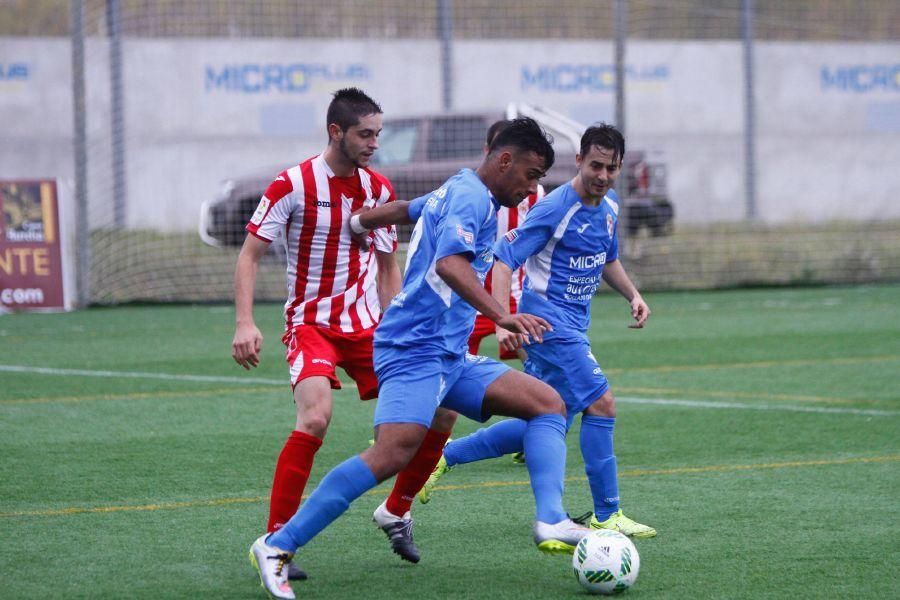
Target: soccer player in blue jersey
(420,352)
(568,243)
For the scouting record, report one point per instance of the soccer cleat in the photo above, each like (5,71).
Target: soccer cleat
(399,532)
(558,538)
(271,564)
(619,522)
(295,573)
(428,489)
(518,458)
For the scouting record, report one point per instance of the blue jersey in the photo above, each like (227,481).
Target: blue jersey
(564,245)
(458,218)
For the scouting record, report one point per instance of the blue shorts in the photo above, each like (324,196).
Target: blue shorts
(411,387)
(567,365)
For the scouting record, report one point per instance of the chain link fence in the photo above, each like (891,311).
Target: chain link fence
(763,136)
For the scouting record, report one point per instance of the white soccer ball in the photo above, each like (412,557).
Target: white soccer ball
(606,562)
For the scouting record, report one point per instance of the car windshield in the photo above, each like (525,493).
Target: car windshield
(396,143)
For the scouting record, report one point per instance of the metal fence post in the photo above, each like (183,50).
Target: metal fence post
(117,116)
(445,30)
(82,232)
(749,112)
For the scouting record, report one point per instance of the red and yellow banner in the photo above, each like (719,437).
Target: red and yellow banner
(31,262)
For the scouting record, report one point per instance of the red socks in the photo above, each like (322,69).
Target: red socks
(291,474)
(411,479)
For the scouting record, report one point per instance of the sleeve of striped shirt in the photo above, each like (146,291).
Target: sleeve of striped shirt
(274,209)
(385,237)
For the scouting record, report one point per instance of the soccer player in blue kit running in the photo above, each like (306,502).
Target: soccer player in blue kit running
(420,352)
(568,243)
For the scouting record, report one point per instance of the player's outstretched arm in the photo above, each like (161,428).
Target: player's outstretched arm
(615,276)
(457,272)
(247,342)
(366,219)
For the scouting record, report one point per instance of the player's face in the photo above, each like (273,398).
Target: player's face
(598,171)
(520,174)
(360,141)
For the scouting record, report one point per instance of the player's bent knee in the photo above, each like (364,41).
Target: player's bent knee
(444,420)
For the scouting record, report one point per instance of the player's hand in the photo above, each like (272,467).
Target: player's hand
(508,340)
(530,326)
(362,239)
(640,311)
(246,345)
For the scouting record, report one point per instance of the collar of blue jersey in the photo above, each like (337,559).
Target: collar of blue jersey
(466,172)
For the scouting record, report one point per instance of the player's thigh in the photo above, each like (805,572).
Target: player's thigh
(466,396)
(569,367)
(311,354)
(410,388)
(356,358)
(516,394)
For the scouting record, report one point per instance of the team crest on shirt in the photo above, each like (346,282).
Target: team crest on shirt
(465,235)
(511,235)
(261,210)
(610,225)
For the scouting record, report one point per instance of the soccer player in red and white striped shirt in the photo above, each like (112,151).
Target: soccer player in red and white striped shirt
(336,287)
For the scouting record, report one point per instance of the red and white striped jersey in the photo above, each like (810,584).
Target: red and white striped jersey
(331,280)
(508,218)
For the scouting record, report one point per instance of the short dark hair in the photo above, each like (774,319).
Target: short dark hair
(525,135)
(348,106)
(604,136)
(494,129)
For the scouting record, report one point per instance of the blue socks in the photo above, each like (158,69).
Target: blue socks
(600,464)
(545,456)
(341,486)
(503,437)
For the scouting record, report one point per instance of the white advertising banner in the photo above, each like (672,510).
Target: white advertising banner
(200,111)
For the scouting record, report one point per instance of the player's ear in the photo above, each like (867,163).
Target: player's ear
(335,133)
(505,160)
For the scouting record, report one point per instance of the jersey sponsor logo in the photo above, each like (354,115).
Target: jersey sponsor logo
(512,235)
(610,225)
(583,227)
(261,210)
(587,261)
(467,236)
(323,203)
(399,299)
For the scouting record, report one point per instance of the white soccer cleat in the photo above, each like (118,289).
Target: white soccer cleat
(558,538)
(272,565)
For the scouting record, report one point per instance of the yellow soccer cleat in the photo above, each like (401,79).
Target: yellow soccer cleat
(619,522)
(558,538)
(428,489)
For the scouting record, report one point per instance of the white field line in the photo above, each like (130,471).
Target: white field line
(141,375)
(621,399)
(745,406)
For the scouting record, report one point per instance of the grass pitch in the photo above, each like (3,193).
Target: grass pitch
(757,431)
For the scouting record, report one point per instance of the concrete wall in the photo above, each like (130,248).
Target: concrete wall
(199,111)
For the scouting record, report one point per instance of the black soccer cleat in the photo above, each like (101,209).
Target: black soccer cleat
(399,532)
(295,573)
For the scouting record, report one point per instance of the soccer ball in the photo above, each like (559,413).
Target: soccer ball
(606,562)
